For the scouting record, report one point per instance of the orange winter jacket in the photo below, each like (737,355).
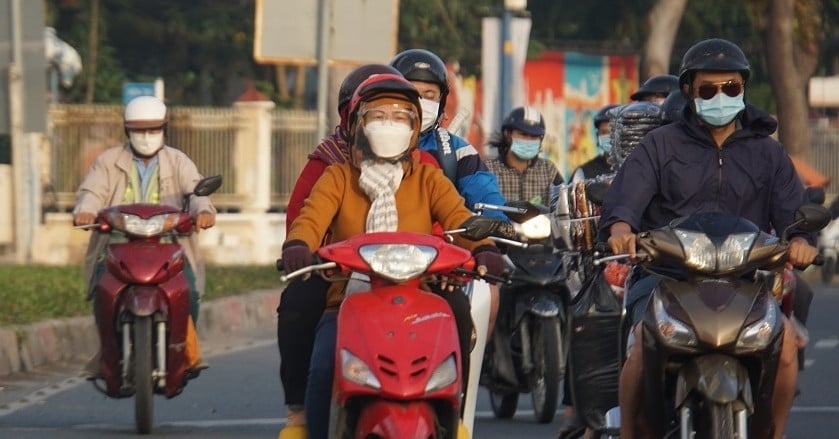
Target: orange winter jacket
(339,205)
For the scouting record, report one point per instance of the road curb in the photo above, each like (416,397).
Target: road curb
(27,347)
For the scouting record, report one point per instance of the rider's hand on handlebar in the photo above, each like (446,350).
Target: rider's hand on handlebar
(296,255)
(621,239)
(488,261)
(801,253)
(84,219)
(204,220)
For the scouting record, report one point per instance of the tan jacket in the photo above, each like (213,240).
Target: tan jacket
(338,204)
(104,186)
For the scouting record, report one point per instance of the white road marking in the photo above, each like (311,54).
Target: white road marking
(827,343)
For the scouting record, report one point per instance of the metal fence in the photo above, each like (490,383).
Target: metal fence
(77,134)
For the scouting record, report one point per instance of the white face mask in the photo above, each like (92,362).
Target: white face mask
(388,140)
(146,143)
(430,113)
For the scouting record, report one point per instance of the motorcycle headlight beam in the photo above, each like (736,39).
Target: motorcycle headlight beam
(443,375)
(538,227)
(398,262)
(357,371)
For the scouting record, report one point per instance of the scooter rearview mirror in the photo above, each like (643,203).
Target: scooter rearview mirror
(813,217)
(596,192)
(809,217)
(207,186)
(524,210)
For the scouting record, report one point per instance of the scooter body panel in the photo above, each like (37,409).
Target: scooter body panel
(403,335)
(160,289)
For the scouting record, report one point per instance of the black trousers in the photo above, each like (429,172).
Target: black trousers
(301,306)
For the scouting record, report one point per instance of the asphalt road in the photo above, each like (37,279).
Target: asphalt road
(240,396)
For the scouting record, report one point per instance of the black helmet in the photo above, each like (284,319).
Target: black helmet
(603,114)
(425,66)
(672,106)
(351,82)
(714,54)
(657,85)
(525,119)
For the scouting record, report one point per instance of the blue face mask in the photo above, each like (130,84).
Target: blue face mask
(719,110)
(604,143)
(526,149)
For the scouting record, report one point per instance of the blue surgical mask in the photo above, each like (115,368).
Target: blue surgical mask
(604,143)
(719,110)
(526,149)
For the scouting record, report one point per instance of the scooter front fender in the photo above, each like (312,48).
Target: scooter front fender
(390,419)
(716,377)
(141,300)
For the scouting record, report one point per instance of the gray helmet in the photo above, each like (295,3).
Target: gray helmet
(715,54)
(657,85)
(630,124)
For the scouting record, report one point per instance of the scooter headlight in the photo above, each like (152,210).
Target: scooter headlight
(398,262)
(701,254)
(758,335)
(444,375)
(355,370)
(538,227)
(733,252)
(672,331)
(145,227)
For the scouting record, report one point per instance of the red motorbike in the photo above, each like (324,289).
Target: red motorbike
(142,302)
(397,359)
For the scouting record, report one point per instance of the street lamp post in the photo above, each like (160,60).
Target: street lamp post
(506,83)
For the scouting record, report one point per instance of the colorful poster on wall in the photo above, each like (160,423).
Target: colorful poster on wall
(568,88)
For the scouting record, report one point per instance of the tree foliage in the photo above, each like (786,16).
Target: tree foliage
(203,48)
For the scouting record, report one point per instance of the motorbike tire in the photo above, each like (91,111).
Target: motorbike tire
(828,269)
(503,405)
(143,368)
(548,367)
(719,421)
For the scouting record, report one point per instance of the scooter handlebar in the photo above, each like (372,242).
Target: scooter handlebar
(305,270)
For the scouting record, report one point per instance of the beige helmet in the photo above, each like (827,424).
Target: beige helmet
(145,112)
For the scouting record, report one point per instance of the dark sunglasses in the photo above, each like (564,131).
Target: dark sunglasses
(730,88)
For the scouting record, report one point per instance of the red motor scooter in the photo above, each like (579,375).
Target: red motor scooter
(397,359)
(142,302)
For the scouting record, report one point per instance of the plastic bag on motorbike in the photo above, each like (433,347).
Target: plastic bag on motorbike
(594,360)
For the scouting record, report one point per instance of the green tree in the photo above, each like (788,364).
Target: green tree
(201,48)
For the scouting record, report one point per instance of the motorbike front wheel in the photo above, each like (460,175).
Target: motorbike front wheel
(503,405)
(719,421)
(143,368)
(828,269)
(548,367)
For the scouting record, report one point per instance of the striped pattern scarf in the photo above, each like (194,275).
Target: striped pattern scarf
(380,180)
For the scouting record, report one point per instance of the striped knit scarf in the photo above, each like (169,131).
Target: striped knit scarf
(331,150)
(380,180)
